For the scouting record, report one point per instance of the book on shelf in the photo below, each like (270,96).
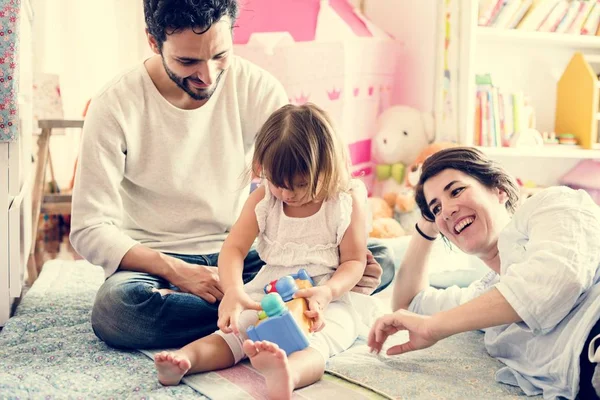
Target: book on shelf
(556,15)
(581,17)
(507,13)
(569,17)
(499,114)
(591,23)
(518,16)
(537,14)
(578,17)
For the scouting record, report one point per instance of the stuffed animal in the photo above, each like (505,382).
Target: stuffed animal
(383,224)
(385,228)
(403,202)
(414,170)
(401,133)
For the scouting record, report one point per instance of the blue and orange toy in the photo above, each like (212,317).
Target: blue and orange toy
(282,318)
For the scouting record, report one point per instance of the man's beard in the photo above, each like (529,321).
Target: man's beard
(183,83)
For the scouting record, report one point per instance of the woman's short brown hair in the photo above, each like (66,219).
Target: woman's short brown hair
(472,162)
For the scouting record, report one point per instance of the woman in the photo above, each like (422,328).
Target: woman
(540,303)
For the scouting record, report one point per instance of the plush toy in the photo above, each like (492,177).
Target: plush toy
(401,133)
(403,202)
(383,224)
(384,228)
(380,208)
(584,175)
(414,170)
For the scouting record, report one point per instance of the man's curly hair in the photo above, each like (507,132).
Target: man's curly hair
(165,17)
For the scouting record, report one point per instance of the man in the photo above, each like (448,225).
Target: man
(158,185)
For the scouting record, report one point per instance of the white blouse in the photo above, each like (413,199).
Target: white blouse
(550,275)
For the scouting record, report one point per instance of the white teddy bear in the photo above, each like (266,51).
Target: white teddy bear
(402,133)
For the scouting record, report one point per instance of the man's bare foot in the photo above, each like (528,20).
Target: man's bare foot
(171,367)
(272,362)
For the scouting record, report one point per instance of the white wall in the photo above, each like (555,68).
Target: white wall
(85,42)
(414,22)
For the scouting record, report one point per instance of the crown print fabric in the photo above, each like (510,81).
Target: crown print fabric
(9,26)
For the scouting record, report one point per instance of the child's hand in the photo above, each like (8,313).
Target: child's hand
(318,299)
(234,302)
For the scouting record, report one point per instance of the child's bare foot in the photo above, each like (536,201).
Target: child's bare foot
(171,367)
(272,362)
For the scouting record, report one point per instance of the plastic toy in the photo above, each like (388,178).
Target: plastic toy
(282,318)
(287,285)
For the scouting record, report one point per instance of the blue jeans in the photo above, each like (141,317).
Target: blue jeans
(127,312)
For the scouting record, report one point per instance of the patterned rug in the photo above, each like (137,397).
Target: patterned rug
(244,382)
(49,351)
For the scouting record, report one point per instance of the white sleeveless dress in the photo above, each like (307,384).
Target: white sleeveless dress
(287,244)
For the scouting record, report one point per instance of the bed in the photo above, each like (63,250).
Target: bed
(49,351)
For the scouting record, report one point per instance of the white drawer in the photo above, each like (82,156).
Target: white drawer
(4,198)
(16,252)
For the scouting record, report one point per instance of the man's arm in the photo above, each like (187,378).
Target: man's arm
(200,280)
(97,207)
(97,210)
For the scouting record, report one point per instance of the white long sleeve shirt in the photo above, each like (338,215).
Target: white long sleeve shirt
(164,177)
(550,275)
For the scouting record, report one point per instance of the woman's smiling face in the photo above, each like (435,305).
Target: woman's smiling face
(468,213)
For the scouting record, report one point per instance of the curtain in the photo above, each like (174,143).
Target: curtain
(9,28)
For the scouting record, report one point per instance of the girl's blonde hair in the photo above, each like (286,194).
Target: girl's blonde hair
(300,141)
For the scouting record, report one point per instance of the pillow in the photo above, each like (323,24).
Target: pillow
(448,266)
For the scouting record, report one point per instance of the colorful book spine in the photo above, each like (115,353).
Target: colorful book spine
(537,14)
(507,100)
(554,18)
(477,131)
(518,16)
(506,14)
(499,114)
(497,117)
(569,17)
(584,11)
(518,106)
(488,10)
(491,122)
(485,127)
(591,23)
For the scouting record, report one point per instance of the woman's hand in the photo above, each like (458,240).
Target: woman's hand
(420,332)
(318,299)
(234,302)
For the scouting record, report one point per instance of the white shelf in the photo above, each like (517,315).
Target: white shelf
(539,38)
(550,151)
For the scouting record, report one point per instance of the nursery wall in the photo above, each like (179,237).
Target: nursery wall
(414,22)
(86,43)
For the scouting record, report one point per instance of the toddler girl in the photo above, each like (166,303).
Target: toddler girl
(307,214)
